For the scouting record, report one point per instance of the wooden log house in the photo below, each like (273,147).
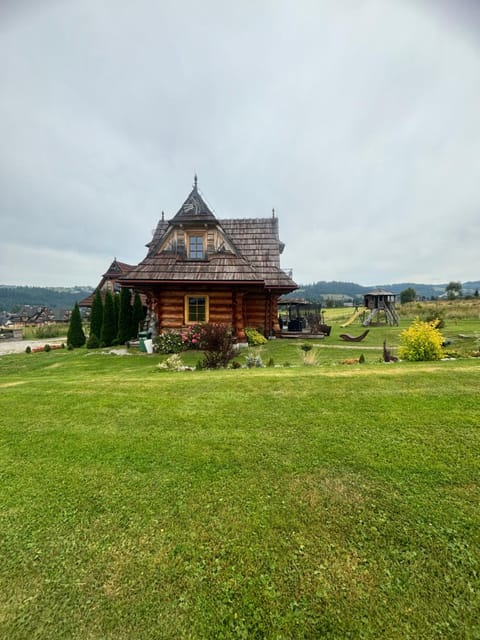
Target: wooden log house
(109,281)
(202,269)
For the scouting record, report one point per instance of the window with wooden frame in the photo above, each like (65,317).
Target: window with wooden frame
(195,247)
(196,308)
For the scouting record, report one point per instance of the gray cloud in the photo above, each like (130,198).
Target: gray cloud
(357,121)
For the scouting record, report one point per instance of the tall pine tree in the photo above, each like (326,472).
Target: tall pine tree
(109,330)
(138,315)
(96,315)
(116,307)
(75,334)
(125,316)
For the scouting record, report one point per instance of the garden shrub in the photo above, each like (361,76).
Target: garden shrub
(253,359)
(93,342)
(47,348)
(217,342)
(422,341)
(310,358)
(28,349)
(173,363)
(437,318)
(168,342)
(254,337)
(192,337)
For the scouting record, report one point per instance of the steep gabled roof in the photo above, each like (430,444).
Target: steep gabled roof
(114,272)
(252,254)
(116,269)
(194,210)
(165,267)
(258,241)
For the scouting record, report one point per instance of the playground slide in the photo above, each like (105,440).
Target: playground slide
(352,318)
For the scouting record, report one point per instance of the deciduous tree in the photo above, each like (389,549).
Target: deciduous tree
(408,295)
(453,289)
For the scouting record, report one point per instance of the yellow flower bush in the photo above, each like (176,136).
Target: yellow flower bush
(421,341)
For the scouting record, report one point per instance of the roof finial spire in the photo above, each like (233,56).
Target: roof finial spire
(273,212)
(163,216)
(195,181)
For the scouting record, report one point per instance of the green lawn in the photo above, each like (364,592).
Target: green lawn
(336,501)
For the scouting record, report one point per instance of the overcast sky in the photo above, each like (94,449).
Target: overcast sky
(357,120)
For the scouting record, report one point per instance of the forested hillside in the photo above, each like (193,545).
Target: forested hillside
(323,289)
(13,298)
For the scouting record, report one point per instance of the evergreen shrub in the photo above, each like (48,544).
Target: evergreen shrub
(109,329)
(75,335)
(138,315)
(125,317)
(93,342)
(96,314)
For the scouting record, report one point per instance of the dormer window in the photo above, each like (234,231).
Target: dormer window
(195,247)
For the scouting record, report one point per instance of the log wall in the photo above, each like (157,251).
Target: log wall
(170,307)
(238,308)
(255,310)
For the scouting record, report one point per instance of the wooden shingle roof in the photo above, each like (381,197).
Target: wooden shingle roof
(194,209)
(253,254)
(114,272)
(169,267)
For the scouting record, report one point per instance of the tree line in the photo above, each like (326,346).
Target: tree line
(13,298)
(116,319)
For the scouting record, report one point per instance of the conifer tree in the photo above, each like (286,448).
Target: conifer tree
(125,316)
(116,308)
(75,334)
(108,332)
(96,315)
(138,315)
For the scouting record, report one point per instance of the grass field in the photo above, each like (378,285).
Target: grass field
(335,501)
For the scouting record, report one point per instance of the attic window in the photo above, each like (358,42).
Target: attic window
(195,246)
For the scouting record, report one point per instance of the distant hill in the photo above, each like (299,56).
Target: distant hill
(12,297)
(322,290)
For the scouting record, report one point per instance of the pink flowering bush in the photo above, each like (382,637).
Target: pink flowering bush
(192,337)
(214,339)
